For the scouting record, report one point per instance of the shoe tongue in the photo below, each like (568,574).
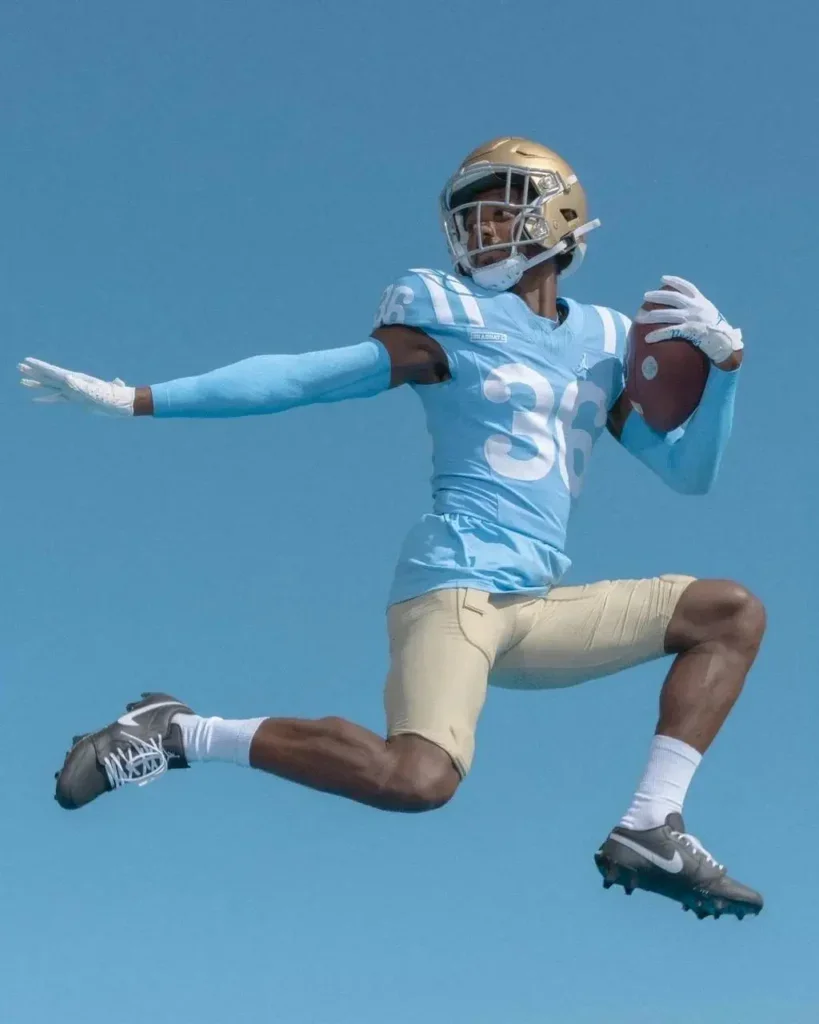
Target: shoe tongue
(675,822)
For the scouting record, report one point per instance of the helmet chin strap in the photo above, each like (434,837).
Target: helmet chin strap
(578,255)
(505,274)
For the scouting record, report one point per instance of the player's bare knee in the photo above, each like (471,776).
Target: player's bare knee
(745,617)
(717,610)
(421,778)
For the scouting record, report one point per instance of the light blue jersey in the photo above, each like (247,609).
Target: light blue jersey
(512,431)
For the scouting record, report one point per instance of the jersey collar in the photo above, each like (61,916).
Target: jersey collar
(568,308)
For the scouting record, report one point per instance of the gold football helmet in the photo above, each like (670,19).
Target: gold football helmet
(539,186)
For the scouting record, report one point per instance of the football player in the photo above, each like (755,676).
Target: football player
(517,384)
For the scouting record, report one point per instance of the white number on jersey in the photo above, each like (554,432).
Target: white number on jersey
(573,440)
(531,423)
(560,442)
(394,302)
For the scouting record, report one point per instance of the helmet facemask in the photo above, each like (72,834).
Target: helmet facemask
(542,205)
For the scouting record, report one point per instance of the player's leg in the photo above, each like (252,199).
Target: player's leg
(328,754)
(441,650)
(715,631)
(715,628)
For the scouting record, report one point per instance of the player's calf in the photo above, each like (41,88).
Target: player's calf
(716,631)
(406,773)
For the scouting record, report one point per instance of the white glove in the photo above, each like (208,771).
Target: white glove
(111,398)
(691,316)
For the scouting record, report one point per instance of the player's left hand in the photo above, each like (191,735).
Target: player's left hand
(56,385)
(687,314)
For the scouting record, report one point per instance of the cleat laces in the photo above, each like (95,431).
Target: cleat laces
(696,846)
(143,761)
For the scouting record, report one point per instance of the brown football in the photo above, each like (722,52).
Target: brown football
(665,380)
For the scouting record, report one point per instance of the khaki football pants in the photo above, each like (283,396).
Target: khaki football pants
(448,645)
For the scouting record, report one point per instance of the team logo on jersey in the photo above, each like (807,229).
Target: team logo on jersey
(497,336)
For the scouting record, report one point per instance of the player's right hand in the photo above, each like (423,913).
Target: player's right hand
(55,385)
(686,313)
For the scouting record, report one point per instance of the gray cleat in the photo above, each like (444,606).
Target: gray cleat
(139,747)
(670,862)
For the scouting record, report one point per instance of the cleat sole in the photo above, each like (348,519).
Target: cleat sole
(613,874)
(702,905)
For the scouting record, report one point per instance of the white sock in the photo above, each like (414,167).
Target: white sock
(670,769)
(217,739)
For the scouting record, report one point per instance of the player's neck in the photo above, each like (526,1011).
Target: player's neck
(538,289)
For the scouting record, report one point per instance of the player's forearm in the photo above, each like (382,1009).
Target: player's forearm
(267,384)
(690,463)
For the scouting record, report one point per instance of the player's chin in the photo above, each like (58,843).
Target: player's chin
(488,259)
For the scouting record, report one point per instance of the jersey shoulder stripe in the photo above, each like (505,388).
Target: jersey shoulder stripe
(452,296)
(465,296)
(435,283)
(614,329)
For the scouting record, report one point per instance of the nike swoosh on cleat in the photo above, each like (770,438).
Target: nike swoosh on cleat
(673,865)
(131,717)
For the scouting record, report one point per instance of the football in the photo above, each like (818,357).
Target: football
(665,380)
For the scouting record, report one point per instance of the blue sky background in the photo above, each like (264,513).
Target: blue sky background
(183,185)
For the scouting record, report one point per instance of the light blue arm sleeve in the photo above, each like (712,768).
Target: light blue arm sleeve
(688,459)
(265,384)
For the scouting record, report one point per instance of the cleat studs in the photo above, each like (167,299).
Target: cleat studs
(629,889)
(686,907)
(702,914)
(607,884)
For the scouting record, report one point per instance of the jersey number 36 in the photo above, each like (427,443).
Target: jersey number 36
(552,431)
